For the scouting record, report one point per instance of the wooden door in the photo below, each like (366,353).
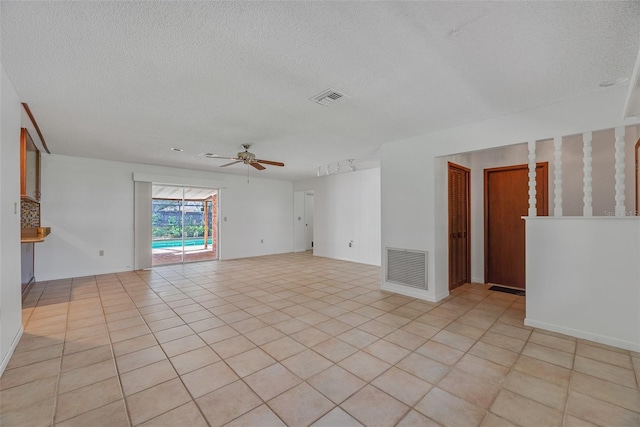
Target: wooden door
(459,226)
(506,202)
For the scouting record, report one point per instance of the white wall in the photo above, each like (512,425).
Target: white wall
(583,278)
(89,205)
(10,289)
(413,175)
(346,208)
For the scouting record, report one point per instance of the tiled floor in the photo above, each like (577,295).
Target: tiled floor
(299,340)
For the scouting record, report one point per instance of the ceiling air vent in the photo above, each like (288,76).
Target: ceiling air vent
(328,97)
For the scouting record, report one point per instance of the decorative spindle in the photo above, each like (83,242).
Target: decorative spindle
(620,208)
(587,209)
(557,176)
(532,179)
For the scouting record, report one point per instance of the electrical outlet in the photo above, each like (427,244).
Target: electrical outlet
(351,244)
(261,240)
(101,253)
(225,219)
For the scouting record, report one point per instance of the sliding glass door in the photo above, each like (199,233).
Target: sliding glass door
(184,224)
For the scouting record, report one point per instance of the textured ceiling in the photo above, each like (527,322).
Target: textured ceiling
(129,80)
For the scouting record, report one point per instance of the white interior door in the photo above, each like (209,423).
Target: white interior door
(308,217)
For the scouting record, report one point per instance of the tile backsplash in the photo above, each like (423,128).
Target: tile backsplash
(29,214)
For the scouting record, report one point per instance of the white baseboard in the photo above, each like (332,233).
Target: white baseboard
(602,339)
(14,344)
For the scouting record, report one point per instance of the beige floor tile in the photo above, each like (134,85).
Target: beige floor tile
(301,405)
(562,344)
(541,391)
(440,352)
(474,390)
(611,357)
(306,364)
(358,338)
(456,341)
(283,348)
(511,331)
(416,419)
(548,354)
(134,344)
(405,339)
(310,336)
(248,325)
(26,374)
(503,341)
(185,415)
(406,388)
(80,377)
(543,370)
(264,335)
(40,415)
(140,358)
(571,421)
(171,334)
(290,326)
(112,415)
(166,323)
(494,354)
(209,378)
(377,328)
(87,398)
(156,400)
(525,412)
(337,417)
(272,381)
(218,334)
(423,368)
(333,327)
(387,351)
(364,365)
(28,395)
(492,420)
(599,412)
(625,397)
(336,383)
(194,359)
(232,346)
(448,409)
(482,368)
(147,377)
(465,330)
(35,356)
(182,345)
(371,407)
(334,349)
(261,416)
(128,333)
(605,371)
(250,361)
(228,403)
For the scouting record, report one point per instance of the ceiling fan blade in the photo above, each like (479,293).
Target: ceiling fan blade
(257,166)
(269,162)
(215,156)
(232,163)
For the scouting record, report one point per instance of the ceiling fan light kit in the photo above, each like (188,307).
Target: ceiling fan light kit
(245,157)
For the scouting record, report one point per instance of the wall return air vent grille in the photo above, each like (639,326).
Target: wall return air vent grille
(406,267)
(328,97)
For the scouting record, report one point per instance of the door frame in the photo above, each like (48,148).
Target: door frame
(637,184)
(451,165)
(544,205)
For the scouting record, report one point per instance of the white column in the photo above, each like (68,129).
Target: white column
(532,179)
(620,208)
(557,176)
(587,209)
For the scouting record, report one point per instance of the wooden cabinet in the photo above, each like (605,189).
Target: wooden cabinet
(29,167)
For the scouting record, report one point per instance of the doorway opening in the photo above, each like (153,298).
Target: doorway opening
(184,224)
(308,218)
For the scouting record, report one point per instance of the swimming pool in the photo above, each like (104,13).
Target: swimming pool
(174,243)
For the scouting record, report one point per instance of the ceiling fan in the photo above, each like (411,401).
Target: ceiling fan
(247,158)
